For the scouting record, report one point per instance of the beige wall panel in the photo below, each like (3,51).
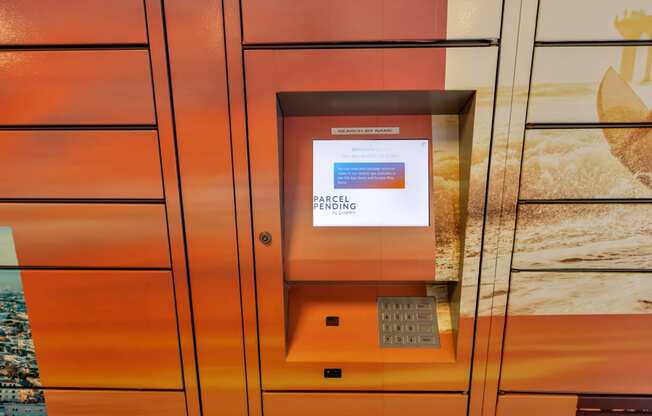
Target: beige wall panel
(591,84)
(587,163)
(562,20)
(572,236)
(473,19)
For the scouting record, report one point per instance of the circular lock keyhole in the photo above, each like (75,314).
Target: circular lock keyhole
(265,238)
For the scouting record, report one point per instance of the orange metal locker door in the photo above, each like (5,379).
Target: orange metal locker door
(92,281)
(87,22)
(332,21)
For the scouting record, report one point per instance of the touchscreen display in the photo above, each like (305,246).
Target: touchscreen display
(371,183)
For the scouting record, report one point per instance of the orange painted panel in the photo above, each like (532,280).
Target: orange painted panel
(356,337)
(76,87)
(103,328)
(88,235)
(343,20)
(307,372)
(601,353)
(80,164)
(360,404)
(56,22)
(333,253)
(112,403)
(536,405)
(273,71)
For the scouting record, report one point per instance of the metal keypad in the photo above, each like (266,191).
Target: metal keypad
(407,322)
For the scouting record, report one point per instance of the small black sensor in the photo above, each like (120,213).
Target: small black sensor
(332,321)
(332,373)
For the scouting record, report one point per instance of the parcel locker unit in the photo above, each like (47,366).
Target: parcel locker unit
(304,84)
(355,304)
(288,207)
(95,312)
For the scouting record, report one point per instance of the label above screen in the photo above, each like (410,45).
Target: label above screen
(370,183)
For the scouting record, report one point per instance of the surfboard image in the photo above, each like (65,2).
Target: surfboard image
(618,102)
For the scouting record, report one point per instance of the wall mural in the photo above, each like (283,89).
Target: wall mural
(634,25)
(19,372)
(617,101)
(581,285)
(589,84)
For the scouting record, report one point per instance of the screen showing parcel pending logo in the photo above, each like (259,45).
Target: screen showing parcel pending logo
(371,183)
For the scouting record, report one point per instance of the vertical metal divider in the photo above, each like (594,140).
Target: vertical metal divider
(517,46)
(240,148)
(174,210)
(502,109)
(200,135)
